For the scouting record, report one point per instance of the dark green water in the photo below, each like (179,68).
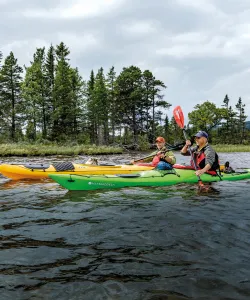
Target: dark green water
(139,243)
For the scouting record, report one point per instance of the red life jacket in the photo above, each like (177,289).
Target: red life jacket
(200,161)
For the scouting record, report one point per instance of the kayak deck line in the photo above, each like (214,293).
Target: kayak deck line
(136,175)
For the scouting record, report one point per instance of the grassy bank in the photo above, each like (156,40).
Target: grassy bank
(231,148)
(69,150)
(48,150)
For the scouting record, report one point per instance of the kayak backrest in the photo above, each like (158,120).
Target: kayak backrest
(63,166)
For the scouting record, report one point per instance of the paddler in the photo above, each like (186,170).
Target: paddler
(164,159)
(205,157)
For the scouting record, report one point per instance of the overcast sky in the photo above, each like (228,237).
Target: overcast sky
(199,48)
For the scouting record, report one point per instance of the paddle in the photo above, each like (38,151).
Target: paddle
(170,148)
(179,119)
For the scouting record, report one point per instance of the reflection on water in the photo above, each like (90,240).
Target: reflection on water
(134,243)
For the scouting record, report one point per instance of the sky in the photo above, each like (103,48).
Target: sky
(198,48)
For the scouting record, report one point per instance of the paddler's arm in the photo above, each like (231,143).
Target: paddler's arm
(169,157)
(184,150)
(204,170)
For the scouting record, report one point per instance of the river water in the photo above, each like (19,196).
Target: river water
(135,243)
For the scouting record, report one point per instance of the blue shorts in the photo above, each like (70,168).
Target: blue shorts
(162,165)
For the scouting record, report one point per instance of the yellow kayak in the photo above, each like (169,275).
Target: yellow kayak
(39,171)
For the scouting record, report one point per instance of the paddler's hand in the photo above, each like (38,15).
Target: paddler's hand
(162,155)
(199,172)
(188,143)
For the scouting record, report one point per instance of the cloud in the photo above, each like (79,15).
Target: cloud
(198,48)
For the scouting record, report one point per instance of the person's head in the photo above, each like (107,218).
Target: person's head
(201,137)
(160,142)
(226,164)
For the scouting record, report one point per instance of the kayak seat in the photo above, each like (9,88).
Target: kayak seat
(107,164)
(37,166)
(63,166)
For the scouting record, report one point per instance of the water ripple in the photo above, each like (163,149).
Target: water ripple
(135,243)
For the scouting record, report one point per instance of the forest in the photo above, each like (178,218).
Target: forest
(48,101)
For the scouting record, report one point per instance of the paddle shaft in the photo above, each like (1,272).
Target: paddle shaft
(152,155)
(191,153)
(179,118)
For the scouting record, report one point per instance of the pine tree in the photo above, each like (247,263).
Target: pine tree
(78,104)
(148,85)
(232,135)
(129,87)
(62,115)
(91,117)
(101,107)
(241,119)
(112,100)
(11,78)
(50,65)
(34,93)
(153,99)
(226,105)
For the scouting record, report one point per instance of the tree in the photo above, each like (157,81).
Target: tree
(241,119)
(62,115)
(101,106)
(78,104)
(91,119)
(129,88)
(153,99)
(10,82)
(34,91)
(50,66)
(206,116)
(112,100)
(157,100)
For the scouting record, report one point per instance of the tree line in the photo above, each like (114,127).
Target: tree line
(49,101)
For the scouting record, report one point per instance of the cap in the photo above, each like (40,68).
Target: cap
(201,134)
(160,139)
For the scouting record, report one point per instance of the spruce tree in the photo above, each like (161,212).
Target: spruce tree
(101,107)
(62,115)
(78,103)
(129,88)
(90,104)
(10,80)
(34,93)
(112,100)
(50,65)
(241,119)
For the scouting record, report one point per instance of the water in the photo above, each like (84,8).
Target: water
(135,243)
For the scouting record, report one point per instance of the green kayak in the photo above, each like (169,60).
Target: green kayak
(147,178)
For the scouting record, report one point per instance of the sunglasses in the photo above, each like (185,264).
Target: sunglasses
(198,137)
